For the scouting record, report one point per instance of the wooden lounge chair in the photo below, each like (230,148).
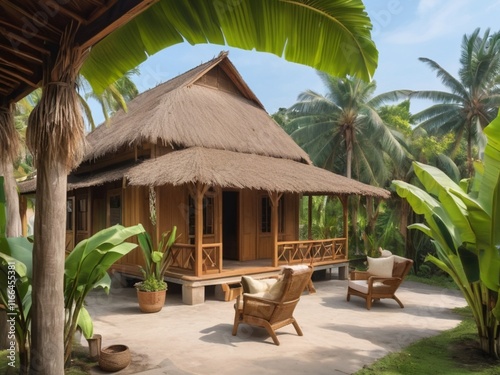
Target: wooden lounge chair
(274,308)
(373,286)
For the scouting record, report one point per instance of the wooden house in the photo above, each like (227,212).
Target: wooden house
(201,153)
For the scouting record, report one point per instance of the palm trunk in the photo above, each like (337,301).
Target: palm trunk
(13,228)
(9,150)
(47,355)
(56,138)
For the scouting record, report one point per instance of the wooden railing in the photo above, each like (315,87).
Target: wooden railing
(183,257)
(312,251)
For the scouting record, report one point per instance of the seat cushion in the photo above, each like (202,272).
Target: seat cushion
(362,285)
(252,286)
(381,267)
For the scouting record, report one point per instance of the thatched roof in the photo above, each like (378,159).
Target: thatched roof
(182,113)
(229,169)
(226,169)
(82,181)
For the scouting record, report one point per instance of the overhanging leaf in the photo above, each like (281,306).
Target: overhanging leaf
(332,36)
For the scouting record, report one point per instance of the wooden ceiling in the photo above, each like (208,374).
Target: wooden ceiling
(30,31)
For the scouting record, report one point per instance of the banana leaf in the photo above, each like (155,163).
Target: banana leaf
(332,36)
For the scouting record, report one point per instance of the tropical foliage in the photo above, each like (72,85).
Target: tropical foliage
(157,260)
(347,117)
(463,227)
(314,34)
(473,97)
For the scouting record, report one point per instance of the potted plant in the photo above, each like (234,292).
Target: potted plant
(151,292)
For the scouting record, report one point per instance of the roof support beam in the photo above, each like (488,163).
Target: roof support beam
(201,189)
(275,197)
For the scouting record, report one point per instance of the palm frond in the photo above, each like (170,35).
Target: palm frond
(446,78)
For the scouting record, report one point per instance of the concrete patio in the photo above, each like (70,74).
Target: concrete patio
(339,337)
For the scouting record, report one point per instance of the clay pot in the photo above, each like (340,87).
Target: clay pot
(150,302)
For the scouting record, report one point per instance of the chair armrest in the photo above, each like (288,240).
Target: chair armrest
(359,275)
(389,281)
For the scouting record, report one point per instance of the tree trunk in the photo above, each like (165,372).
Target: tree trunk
(56,139)
(14,228)
(47,354)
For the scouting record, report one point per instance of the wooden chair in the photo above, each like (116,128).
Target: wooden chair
(274,309)
(373,288)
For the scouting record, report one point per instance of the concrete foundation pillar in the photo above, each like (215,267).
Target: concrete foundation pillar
(193,295)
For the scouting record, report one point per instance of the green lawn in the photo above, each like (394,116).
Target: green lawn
(452,352)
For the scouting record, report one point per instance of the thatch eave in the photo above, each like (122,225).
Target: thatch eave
(228,169)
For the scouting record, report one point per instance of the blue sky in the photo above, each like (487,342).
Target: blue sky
(403,31)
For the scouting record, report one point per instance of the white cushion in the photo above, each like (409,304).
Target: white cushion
(362,285)
(275,290)
(253,286)
(298,267)
(384,253)
(381,267)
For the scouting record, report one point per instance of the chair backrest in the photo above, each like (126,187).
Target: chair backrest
(401,267)
(295,280)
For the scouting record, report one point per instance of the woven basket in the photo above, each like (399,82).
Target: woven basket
(114,358)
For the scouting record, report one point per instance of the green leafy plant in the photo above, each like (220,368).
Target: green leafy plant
(151,284)
(15,276)
(85,269)
(463,227)
(156,260)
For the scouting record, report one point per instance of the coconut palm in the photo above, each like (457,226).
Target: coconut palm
(332,36)
(344,129)
(113,98)
(473,98)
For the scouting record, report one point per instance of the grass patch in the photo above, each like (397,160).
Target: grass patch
(455,351)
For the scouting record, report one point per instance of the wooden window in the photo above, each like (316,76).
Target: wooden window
(69,214)
(266,210)
(82,215)
(114,208)
(208,216)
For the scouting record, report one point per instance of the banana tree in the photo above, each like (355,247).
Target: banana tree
(464,228)
(85,269)
(15,279)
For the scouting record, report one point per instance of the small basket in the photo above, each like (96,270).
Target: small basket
(114,358)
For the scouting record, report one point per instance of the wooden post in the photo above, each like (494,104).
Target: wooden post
(198,228)
(309,217)
(275,199)
(344,199)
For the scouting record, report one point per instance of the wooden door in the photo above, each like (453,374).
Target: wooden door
(230,225)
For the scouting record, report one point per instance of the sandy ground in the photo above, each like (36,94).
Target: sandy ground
(340,337)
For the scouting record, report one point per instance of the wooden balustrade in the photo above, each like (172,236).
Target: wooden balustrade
(312,251)
(183,257)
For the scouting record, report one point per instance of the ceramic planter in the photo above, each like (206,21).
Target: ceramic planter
(150,302)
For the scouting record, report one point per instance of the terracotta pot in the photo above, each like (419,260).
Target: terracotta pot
(114,358)
(150,302)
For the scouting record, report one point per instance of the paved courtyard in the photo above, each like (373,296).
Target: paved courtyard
(340,337)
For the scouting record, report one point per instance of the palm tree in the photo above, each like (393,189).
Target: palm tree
(314,34)
(113,98)
(343,129)
(474,96)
